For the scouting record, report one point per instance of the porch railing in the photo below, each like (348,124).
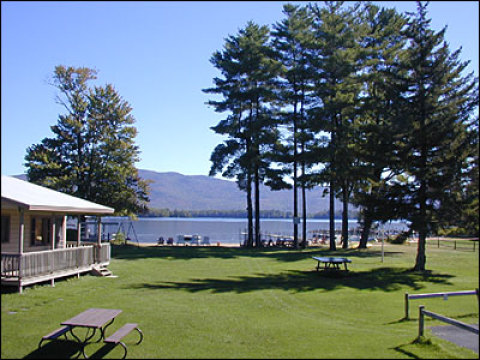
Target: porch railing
(48,262)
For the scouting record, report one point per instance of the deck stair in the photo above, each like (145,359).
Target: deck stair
(101,271)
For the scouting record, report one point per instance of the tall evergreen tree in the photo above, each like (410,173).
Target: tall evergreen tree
(250,69)
(335,60)
(291,38)
(93,153)
(230,157)
(440,102)
(374,147)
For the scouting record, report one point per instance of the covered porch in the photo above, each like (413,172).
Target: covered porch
(23,269)
(34,235)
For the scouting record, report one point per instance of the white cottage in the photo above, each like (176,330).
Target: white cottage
(34,235)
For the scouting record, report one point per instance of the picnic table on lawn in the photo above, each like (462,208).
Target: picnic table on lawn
(331,263)
(92,318)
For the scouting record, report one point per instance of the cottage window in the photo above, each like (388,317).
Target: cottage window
(5,228)
(40,231)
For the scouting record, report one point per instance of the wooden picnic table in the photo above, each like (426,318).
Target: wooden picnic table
(331,263)
(93,318)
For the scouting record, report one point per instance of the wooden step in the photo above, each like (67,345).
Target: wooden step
(101,271)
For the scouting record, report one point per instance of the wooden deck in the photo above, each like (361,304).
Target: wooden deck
(34,267)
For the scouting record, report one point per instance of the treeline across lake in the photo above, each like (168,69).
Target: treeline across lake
(265,214)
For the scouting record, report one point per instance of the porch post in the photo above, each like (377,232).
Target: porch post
(52,255)
(99,231)
(99,240)
(63,237)
(21,237)
(21,230)
(52,232)
(79,230)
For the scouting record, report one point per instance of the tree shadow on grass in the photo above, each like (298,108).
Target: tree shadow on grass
(384,279)
(130,252)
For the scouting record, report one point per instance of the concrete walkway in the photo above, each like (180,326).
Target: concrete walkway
(457,335)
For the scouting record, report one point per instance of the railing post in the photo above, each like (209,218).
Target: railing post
(406,306)
(455,245)
(420,320)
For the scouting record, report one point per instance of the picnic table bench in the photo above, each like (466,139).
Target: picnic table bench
(118,335)
(331,263)
(55,334)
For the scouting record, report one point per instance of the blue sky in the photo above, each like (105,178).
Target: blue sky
(156,54)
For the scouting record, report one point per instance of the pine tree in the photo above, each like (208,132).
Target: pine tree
(374,147)
(335,58)
(440,103)
(291,39)
(249,70)
(230,157)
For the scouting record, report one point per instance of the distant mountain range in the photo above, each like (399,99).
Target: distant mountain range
(174,191)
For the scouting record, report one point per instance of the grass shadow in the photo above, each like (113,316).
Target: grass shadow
(56,349)
(384,279)
(104,350)
(129,252)
(403,351)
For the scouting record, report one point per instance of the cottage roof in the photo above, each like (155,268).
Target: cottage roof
(38,198)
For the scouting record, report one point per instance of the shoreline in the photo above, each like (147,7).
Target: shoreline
(237,245)
(152,244)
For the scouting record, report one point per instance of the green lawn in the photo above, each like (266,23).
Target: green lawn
(215,302)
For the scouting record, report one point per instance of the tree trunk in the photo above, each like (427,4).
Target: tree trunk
(345,217)
(295,182)
(249,211)
(304,194)
(304,212)
(422,191)
(421,258)
(257,209)
(332,219)
(332,193)
(367,225)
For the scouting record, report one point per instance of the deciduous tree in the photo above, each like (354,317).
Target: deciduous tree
(92,154)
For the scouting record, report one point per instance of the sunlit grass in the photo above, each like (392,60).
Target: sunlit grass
(215,302)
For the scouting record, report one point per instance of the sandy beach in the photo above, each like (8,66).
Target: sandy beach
(352,244)
(152,244)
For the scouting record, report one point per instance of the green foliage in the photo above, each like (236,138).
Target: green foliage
(249,69)
(120,239)
(291,39)
(368,100)
(92,154)
(437,121)
(399,238)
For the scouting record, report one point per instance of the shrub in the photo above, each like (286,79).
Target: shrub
(119,239)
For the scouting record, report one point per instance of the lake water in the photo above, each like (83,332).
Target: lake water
(224,230)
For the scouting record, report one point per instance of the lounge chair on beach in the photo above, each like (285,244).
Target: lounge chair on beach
(160,240)
(195,239)
(205,241)
(180,240)
(170,241)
